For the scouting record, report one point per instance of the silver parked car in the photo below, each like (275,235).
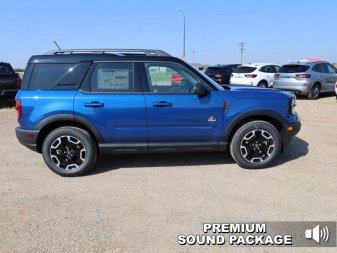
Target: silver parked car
(308,78)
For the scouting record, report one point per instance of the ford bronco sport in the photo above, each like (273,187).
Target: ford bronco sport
(77,104)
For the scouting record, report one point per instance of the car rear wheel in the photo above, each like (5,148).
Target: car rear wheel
(69,151)
(255,145)
(314,92)
(262,84)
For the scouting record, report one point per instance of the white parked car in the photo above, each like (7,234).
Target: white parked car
(255,74)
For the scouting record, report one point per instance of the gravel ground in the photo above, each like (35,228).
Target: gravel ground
(141,203)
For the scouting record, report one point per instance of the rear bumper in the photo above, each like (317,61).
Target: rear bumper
(298,88)
(27,137)
(289,131)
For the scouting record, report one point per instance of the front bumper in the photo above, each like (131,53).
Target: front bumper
(289,131)
(27,137)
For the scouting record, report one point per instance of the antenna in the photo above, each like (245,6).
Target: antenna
(57,45)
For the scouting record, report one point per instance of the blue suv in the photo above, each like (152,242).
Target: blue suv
(74,105)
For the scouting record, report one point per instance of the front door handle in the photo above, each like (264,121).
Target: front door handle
(162,104)
(94,104)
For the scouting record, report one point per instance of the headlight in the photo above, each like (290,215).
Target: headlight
(292,106)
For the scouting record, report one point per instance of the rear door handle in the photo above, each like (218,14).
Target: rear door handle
(94,104)
(162,104)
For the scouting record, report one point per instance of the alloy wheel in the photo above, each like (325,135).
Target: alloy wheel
(67,152)
(257,146)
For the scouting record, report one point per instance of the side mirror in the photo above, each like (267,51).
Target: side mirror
(200,90)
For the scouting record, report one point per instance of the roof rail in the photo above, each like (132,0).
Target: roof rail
(148,52)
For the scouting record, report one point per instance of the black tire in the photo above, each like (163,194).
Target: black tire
(256,145)
(314,92)
(262,84)
(69,151)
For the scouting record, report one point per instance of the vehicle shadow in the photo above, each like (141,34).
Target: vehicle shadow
(7,102)
(106,163)
(298,148)
(323,95)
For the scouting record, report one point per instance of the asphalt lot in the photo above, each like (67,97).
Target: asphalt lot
(141,203)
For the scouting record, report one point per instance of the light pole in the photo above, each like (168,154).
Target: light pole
(242,49)
(193,54)
(184,56)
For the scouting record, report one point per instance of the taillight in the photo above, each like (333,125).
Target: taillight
(18,81)
(250,75)
(18,108)
(218,75)
(276,76)
(303,75)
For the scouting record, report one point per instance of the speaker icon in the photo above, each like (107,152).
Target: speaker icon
(316,233)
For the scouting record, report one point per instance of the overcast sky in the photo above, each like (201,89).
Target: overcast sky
(273,30)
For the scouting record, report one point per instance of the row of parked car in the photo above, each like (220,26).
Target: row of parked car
(309,77)
(10,81)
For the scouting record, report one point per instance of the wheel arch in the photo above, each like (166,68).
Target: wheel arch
(265,115)
(263,81)
(51,123)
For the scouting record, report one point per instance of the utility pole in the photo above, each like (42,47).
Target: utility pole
(193,54)
(184,32)
(242,49)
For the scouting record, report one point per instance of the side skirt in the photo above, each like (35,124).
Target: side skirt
(161,147)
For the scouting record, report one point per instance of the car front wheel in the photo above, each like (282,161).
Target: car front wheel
(69,151)
(256,145)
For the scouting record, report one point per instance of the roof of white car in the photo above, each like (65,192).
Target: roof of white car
(257,64)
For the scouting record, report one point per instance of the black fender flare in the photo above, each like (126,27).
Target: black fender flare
(249,114)
(71,118)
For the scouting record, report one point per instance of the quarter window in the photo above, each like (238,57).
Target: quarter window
(321,68)
(113,77)
(58,76)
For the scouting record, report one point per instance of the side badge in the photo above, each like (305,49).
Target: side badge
(211,119)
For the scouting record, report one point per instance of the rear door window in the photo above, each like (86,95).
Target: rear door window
(268,69)
(294,68)
(115,77)
(58,76)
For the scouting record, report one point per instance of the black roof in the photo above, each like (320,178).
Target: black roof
(224,65)
(78,55)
